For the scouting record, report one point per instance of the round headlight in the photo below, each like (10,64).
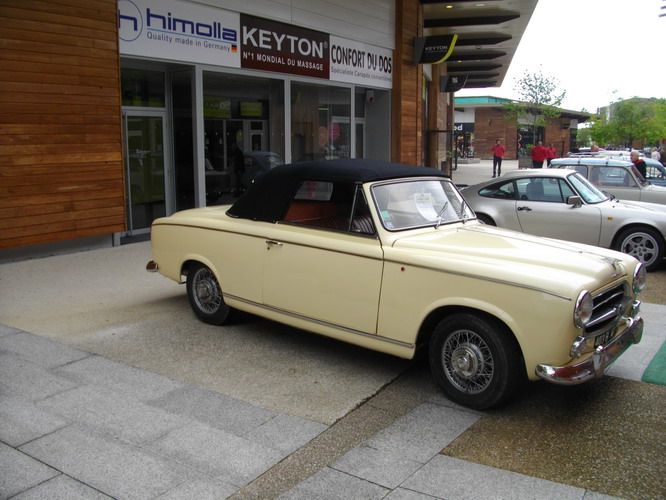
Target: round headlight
(583,310)
(640,278)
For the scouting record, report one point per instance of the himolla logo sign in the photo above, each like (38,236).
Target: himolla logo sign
(162,25)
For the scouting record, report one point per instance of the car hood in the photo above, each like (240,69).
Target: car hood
(490,252)
(639,206)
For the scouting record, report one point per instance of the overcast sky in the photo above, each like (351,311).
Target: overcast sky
(601,51)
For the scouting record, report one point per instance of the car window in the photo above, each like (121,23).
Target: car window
(586,189)
(503,191)
(581,169)
(327,205)
(654,172)
(613,177)
(548,189)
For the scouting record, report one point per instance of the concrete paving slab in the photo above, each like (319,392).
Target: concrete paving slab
(202,489)
(20,377)
(111,466)
(379,467)
(286,433)
(118,377)
(20,472)
(335,485)
(47,354)
(446,477)
(8,330)
(61,488)
(214,409)
(423,432)
(112,413)
(217,453)
(22,421)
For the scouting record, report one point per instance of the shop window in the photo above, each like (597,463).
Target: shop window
(243,124)
(143,88)
(321,122)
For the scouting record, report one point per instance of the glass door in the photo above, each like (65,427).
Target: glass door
(145,169)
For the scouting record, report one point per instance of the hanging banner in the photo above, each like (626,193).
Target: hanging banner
(433,49)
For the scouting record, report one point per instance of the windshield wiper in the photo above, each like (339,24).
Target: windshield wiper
(440,213)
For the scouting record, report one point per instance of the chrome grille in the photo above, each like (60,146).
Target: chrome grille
(608,308)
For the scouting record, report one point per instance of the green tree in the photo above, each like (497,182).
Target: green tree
(631,123)
(538,101)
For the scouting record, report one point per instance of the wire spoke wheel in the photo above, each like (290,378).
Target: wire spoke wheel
(205,295)
(476,360)
(468,362)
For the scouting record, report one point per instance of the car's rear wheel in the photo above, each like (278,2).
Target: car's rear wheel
(205,295)
(644,243)
(475,361)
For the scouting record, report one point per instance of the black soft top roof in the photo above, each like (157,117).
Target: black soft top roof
(269,196)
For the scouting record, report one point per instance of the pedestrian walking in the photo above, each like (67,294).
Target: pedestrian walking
(538,155)
(498,154)
(551,153)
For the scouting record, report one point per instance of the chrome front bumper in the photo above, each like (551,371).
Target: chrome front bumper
(602,358)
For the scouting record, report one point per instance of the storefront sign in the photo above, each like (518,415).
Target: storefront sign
(433,49)
(361,64)
(177,30)
(272,46)
(174,30)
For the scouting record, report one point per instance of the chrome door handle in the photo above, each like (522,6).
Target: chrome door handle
(273,243)
(524,209)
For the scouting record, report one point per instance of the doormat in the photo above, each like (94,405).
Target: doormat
(655,373)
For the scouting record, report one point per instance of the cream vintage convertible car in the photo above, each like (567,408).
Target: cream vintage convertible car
(391,257)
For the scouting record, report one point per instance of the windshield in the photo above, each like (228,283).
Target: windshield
(588,191)
(408,204)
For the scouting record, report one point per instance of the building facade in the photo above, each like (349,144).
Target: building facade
(480,121)
(116,112)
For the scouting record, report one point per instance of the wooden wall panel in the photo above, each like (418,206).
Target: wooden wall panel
(407,112)
(61,168)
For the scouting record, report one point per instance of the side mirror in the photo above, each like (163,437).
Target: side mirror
(576,201)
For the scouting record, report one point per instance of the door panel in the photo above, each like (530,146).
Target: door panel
(145,165)
(332,279)
(559,220)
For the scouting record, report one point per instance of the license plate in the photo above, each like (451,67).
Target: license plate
(603,338)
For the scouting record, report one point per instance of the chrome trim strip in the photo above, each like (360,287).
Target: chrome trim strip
(319,322)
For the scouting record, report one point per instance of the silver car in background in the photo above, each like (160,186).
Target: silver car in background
(562,204)
(616,177)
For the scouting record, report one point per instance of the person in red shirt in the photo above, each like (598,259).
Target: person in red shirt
(538,155)
(498,154)
(551,153)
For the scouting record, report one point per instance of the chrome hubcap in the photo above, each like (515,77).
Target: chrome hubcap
(641,246)
(207,292)
(468,362)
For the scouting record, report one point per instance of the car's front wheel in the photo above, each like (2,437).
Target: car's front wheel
(205,295)
(644,243)
(475,361)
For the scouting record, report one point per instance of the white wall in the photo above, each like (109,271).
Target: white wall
(368,21)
